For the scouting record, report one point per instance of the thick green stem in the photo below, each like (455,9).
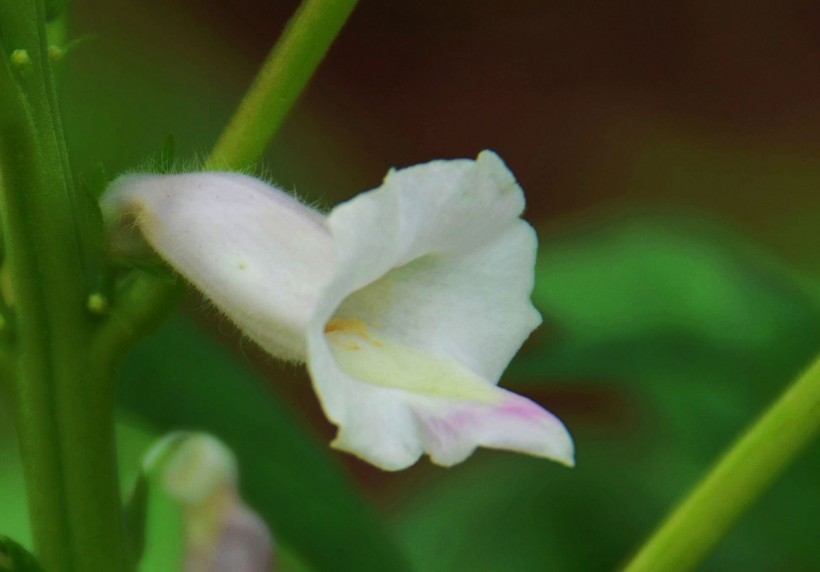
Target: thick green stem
(64,407)
(738,479)
(283,77)
(63,396)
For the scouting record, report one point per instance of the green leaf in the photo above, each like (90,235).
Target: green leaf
(180,378)
(54,8)
(664,292)
(15,558)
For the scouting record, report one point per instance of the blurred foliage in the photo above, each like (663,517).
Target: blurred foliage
(163,533)
(676,291)
(15,558)
(135,516)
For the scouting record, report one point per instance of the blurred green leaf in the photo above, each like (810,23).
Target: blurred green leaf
(180,378)
(14,515)
(15,558)
(643,293)
(163,533)
(54,8)
(135,514)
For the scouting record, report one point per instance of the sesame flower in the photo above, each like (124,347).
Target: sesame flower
(406,302)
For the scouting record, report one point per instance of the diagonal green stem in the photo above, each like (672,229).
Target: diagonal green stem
(744,473)
(283,77)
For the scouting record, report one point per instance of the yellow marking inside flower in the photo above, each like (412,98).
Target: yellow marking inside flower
(383,361)
(344,329)
(390,363)
(352,326)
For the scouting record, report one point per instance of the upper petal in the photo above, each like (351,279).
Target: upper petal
(257,253)
(441,206)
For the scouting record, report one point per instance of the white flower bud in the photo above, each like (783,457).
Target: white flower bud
(221,533)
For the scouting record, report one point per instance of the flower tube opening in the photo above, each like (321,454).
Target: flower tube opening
(406,350)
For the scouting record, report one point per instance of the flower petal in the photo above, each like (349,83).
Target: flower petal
(244,545)
(474,308)
(392,403)
(257,253)
(445,265)
(441,206)
(435,267)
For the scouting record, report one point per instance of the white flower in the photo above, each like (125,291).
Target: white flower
(407,302)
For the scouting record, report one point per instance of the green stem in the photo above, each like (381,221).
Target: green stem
(744,473)
(139,309)
(283,77)
(64,407)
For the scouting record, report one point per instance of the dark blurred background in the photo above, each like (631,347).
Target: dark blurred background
(710,106)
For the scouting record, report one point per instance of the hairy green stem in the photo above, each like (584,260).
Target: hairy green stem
(63,407)
(739,478)
(283,77)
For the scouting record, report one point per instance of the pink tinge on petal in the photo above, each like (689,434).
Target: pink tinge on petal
(241,542)
(245,544)
(452,429)
(524,409)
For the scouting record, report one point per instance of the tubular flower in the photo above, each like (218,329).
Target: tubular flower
(407,302)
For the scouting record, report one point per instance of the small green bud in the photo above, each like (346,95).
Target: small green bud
(55,53)
(97,303)
(20,59)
